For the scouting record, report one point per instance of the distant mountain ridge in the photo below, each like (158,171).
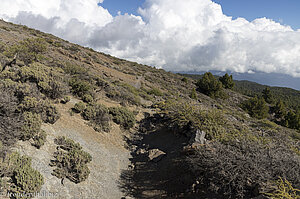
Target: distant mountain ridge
(290,96)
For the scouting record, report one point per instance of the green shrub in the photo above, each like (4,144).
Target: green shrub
(210,86)
(227,81)
(185,80)
(99,117)
(49,81)
(88,98)
(70,161)
(31,126)
(74,69)
(40,139)
(267,95)
(280,110)
(285,190)
(80,87)
(155,91)
(256,107)
(28,50)
(79,107)
(49,112)
(193,94)
(292,119)
(122,116)
(29,104)
(25,179)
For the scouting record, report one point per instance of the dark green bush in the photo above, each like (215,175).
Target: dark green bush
(279,110)
(70,161)
(292,119)
(210,86)
(268,95)
(80,87)
(227,81)
(256,107)
(79,107)
(74,69)
(122,116)
(99,117)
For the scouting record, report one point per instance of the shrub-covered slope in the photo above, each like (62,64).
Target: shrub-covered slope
(187,138)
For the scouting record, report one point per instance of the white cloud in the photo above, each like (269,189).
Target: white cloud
(174,34)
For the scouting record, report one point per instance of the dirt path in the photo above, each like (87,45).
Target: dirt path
(107,149)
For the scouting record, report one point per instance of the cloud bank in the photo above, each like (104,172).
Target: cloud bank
(190,35)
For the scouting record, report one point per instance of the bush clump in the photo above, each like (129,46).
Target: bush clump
(99,117)
(80,87)
(28,50)
(122,116)
(31,125)
(256,107)
(24,178)
(210,86)
(70,161)
(39,139)
(79,107)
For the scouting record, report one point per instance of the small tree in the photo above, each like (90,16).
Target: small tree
(292,120)
(209,85)
(256,107)
(279,109)
(194,94)
(227,81)
(267,95)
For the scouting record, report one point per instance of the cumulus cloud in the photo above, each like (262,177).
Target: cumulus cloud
(190,35)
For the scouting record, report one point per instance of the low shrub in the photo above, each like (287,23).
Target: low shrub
(99,117)
(70,160)
(40,139)
(285,190)
(155,91)
(24,179)
(122,116)
(79,107)
(28,50)
(31,125)
(80,87)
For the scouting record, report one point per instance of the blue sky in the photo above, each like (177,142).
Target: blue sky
(125,6)
(287,12)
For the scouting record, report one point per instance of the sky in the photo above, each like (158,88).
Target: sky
(246,36)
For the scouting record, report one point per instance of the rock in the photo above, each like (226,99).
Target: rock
(141,151)
(156,155)
(198,137)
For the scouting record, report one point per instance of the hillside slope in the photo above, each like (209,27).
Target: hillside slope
(129,130)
